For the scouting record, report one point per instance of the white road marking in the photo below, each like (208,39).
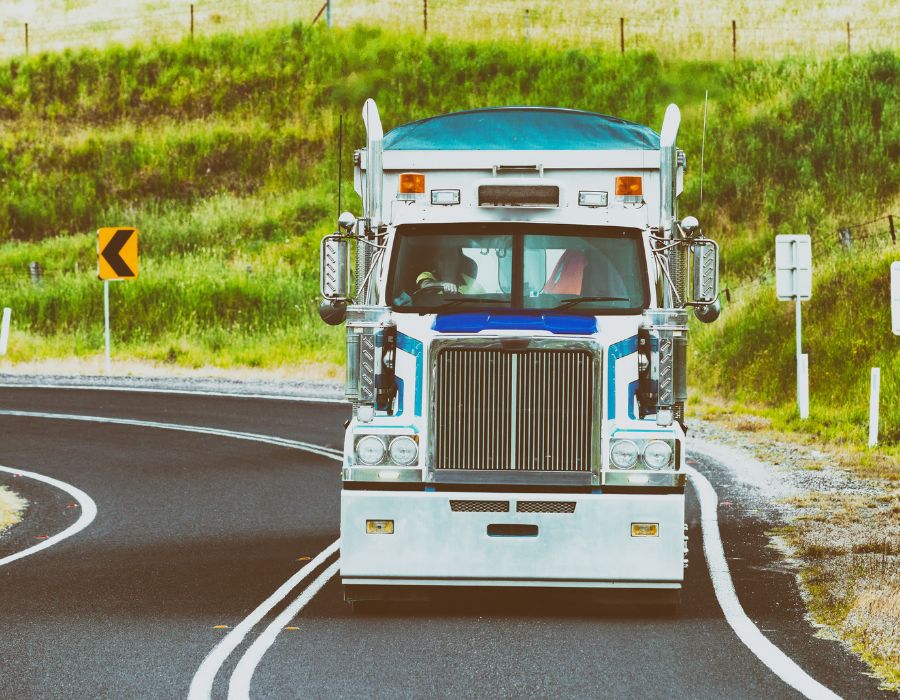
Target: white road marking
(86,503)
(239,685)
(777,661)
(202,684)
(188,392)
(238,435)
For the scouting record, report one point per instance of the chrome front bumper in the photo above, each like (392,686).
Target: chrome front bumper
(589,547)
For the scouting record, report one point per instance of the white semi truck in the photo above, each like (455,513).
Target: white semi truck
(516,353)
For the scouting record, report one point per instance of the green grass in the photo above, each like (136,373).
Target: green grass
(749,354)
(222,152)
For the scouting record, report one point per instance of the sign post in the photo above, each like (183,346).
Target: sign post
(117,259)
(793,280)
(895,297)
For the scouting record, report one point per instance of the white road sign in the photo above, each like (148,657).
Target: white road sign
(793,267)
(895,297)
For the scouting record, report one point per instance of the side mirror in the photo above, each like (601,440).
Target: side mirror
(334,281)
(334,257)
(705,272)
(708,313)
(333,312)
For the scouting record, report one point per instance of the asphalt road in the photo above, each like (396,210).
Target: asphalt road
(194,531)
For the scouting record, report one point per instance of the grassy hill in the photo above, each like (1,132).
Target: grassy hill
(223,152)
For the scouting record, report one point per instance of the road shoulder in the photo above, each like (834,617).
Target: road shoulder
(832,531)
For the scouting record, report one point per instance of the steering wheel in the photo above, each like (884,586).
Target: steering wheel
(424,293)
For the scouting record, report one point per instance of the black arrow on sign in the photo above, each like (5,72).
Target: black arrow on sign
(111,252)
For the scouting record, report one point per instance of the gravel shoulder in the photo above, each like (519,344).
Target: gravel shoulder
(839,530)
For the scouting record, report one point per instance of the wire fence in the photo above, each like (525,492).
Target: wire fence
(849,238)
(684,30)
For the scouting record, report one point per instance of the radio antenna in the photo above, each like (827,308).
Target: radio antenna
(703,145)
(341,161)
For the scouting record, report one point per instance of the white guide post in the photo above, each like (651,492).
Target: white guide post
(106,321)
(802,359)
(4,330)
(874,395)
(895,297)
(793,279)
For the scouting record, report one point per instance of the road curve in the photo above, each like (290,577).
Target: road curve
(194,531)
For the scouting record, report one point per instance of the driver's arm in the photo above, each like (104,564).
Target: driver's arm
(426,280)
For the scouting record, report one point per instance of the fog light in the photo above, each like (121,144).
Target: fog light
(386,527)
(645,529)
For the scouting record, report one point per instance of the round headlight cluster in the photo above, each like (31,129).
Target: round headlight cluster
(403,450)
(657,454)
(370,450)
(374,450)
(624,454)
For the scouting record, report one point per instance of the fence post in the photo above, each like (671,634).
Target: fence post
(26,38)
(891,228)
(328,13)
(192,21)
(621,35)
(733,40)
(425,15)
(527,21)
(36,272)
(848,38)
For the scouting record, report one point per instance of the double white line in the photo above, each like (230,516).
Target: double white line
(239,685)
(202,683)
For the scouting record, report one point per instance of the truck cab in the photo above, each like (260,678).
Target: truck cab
(516,352)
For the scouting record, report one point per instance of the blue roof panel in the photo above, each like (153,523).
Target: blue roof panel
(521,129)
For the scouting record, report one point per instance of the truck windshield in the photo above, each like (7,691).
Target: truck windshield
(518,266)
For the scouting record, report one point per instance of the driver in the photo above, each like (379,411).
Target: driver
(452,272)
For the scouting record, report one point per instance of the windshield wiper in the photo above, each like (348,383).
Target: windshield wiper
(469,300)
(578,300)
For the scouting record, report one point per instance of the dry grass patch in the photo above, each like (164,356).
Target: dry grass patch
(849,545)
(12,506)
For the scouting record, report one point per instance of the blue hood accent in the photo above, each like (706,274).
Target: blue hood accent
(472,323)
(522,129)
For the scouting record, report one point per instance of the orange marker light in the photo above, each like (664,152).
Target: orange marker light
(412,183)
(629,185)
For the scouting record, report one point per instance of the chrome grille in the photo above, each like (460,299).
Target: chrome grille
(501,409)
(545,506)
(479,506)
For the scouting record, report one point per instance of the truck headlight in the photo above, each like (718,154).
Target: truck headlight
(403,450)
(623,454)
(370,450)
(657,454)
